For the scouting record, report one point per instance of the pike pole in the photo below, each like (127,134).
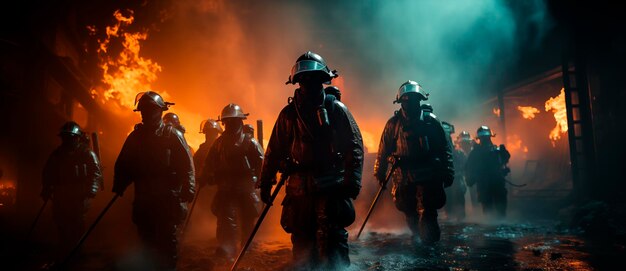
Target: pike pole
(86,234)
(32,226)
(283,178)
(193,205)
(394,163)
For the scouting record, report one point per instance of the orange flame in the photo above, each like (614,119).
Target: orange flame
(127,73)
(557,106)
(496,111)
(514,144)
(528,112)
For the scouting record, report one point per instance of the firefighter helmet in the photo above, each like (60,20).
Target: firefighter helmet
(411,87)
(427,107)
(144,99)
(464,136)
(70,128)
(172,119)
(484,131)
(232,111)
(448,127)
(333,90)
(210,124)
(248,129)
(311,62)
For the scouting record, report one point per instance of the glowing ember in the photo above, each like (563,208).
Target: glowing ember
(496,111)
(528,112)
(126,73)
(557,106)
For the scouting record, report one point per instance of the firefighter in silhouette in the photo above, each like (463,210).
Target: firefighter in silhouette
(455,203)
(486,167)
(319,137)
(71,178)
(156,158)
(418,143)
(211,130)
(465,143)
(233,165)
(173,120)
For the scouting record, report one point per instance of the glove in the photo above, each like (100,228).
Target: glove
(447,177)
(118,190)
(266,195)
(351,190)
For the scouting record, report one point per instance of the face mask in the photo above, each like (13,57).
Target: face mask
(151,117)
(70,141)
(233,125)
(411,107)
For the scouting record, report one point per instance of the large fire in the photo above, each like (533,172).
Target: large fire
(515,145)
(557,106)
(127,73)
(528,112)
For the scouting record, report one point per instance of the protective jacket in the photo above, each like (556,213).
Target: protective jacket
(157,160)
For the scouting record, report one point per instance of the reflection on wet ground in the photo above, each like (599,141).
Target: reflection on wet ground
(463,247)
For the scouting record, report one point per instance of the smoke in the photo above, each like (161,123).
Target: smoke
(216,52)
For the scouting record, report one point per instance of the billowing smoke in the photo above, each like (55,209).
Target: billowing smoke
(215,52)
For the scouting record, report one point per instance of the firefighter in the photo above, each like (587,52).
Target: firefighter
(156,158)
(417,142)
(233,165)
(455,205)
(322,143)
(465,143)
(173,120)
(486,167)
(71,178)
(211,130)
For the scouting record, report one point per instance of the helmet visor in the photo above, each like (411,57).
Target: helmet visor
(412,88)
(138,97)
(306,66)
(483,133)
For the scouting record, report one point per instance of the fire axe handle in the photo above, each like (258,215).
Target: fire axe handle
(86,234)
(283,178)
(380,191)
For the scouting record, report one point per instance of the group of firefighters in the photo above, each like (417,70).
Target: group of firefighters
(315,149)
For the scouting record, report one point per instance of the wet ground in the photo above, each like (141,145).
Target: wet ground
(465,246)
(537,245)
